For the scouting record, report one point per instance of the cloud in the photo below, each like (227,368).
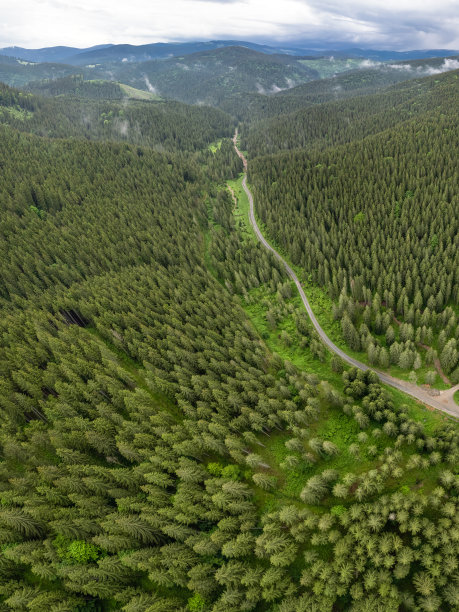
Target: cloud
(448,64)
(122,127)
(374,23)
(425,70)
(150,87)
(367,63)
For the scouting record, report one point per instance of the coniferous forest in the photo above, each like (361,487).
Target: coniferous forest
(175,436)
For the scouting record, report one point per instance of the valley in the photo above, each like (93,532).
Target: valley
(229,330)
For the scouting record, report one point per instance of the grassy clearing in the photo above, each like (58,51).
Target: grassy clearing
(138,94)
(456,397)
(215,146)
(257,308)
(241,212)
(343,431)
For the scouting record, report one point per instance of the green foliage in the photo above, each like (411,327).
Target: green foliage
(215,469)
(196,603)
(76,551)
(338,510)
(82,552)
(231,471)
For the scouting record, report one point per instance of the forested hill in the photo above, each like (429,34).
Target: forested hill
(333,123)
(362,81)
(170,126)
(209,77)
(375,222)
(18,73)
(156,454)
(77,86)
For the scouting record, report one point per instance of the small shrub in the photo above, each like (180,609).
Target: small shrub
(196,603)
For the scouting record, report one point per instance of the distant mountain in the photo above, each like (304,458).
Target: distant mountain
(367,77)
(142,53)
(47,54)
(211,76)
(390,56)
(317,48)
(101,54)
(18,72)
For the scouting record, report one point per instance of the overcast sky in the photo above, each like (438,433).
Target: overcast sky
(401,24)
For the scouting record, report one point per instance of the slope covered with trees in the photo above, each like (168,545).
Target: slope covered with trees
(251,108)
(375,223)
(209,77)
(76,85)
(17,73)
(332,123)
(169,126)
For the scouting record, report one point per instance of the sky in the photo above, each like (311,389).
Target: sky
(378,24)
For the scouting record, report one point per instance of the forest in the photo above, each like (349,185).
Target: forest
(175,436)
(380,216)
(165,125)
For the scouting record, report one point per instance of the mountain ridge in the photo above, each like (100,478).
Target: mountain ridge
(117,52)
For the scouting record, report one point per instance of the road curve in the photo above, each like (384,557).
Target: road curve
(445,402)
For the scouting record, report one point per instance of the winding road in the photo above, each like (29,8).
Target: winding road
(444,401)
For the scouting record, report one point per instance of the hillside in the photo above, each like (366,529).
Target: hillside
(328,124)
(165,125)
(155,452)
(251,108)
(91,89)
(209,77)
(375,222)
(18,73)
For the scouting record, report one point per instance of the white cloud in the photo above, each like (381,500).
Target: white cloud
(150,87)
(425,70)
(448,64)
(375,23)
(367,63)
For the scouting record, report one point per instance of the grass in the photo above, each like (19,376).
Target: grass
(334,425)
(215,146)
(241,212)
(456,397)
(138,94)
(260,301)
